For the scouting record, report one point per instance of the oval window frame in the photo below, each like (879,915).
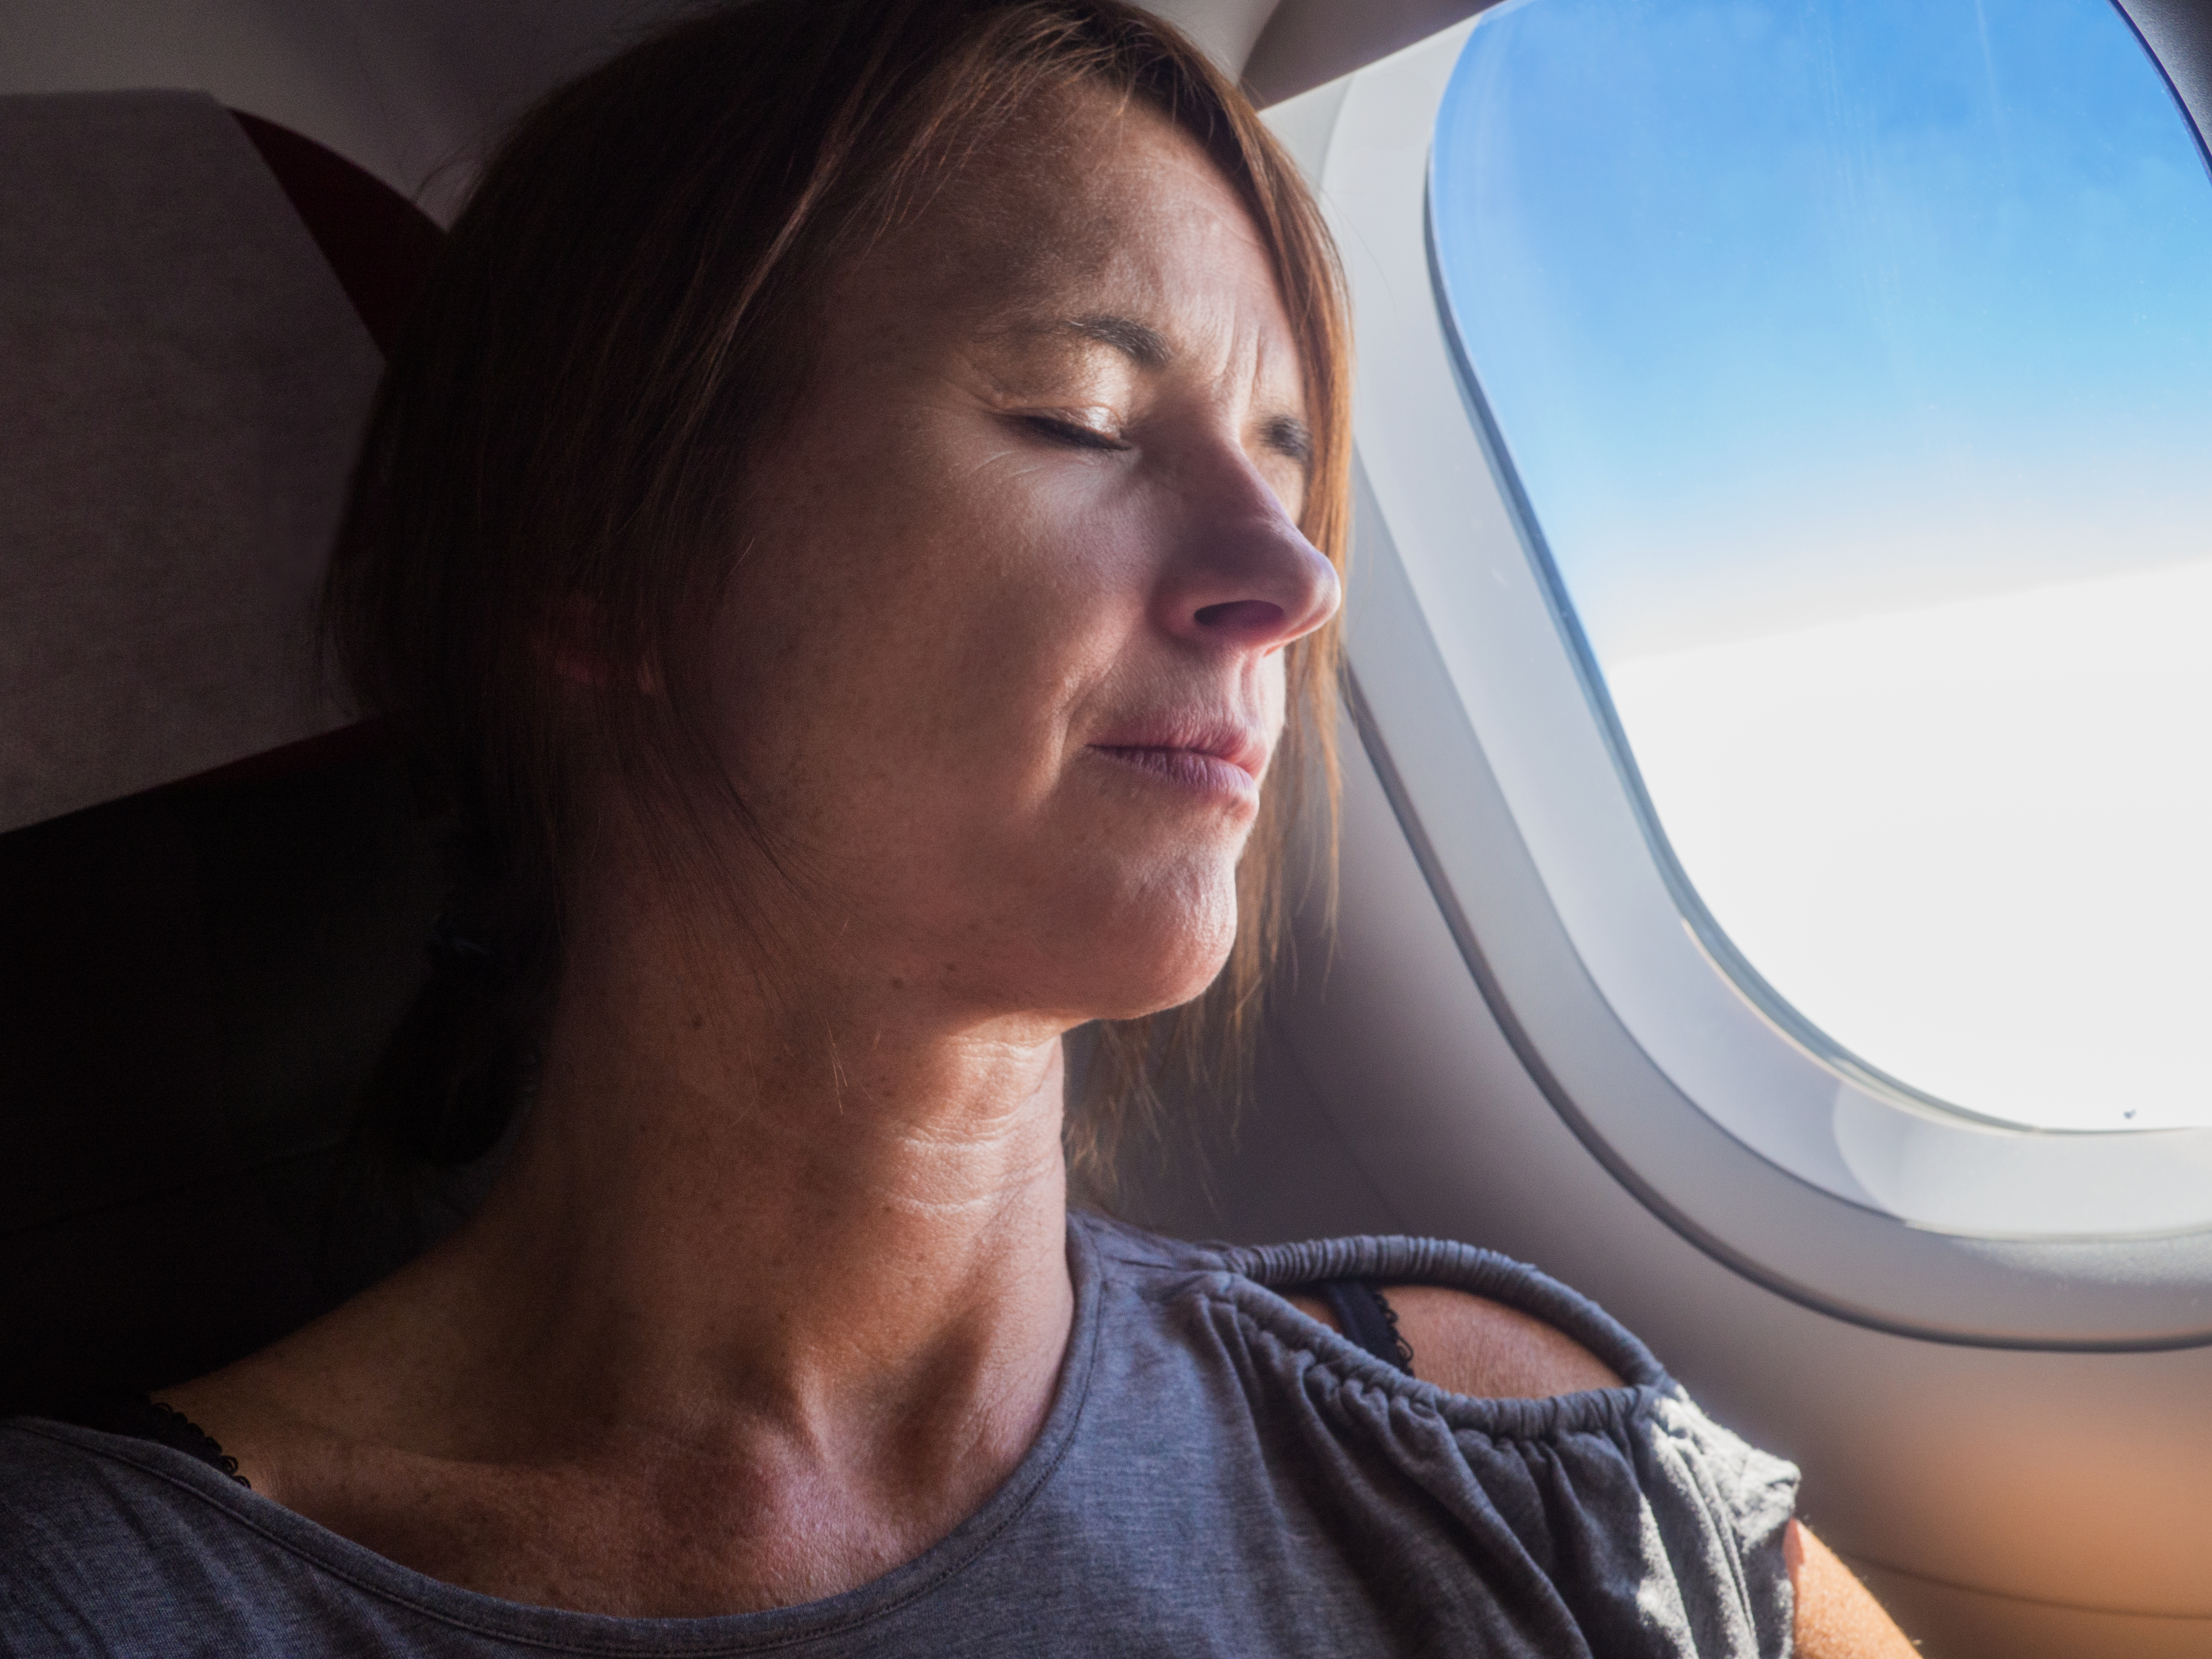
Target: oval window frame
(1823,1182)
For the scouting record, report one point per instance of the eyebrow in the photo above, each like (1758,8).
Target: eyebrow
(1144,346)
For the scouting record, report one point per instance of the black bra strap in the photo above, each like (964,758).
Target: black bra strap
(140,1419)
(1367,1318)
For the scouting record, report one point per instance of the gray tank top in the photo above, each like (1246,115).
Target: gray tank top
(1219,1474)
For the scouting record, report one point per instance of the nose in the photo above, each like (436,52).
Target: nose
(1242,574)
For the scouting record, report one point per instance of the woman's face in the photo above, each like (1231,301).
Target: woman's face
(1001,666)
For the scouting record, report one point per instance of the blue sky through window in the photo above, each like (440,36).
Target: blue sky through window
(1856,356)
(1919,284)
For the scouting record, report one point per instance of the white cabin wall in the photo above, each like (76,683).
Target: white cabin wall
(1227,28)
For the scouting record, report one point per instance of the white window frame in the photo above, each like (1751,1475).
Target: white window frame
(1490,727)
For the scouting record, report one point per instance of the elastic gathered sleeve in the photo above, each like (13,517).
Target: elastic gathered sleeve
(1723,1507)
(1615,1523)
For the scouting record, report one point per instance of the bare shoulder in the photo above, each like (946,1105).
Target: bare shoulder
(296,1412)
(249,1409)
(1474,1346)
(1836,1617)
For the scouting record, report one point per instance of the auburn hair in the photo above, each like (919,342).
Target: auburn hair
(621,313)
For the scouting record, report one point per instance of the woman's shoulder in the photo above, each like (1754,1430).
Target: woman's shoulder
(1505,1359)
(51,1469)
(128,1542)
(88,1518)
(1483,1348)
(1478,1324)
(1515,1379)
(77,1490)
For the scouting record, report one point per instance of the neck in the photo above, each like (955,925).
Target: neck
(832,1218)
(772,1294)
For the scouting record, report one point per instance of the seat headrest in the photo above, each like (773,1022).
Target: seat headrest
(183,381)
(197,977)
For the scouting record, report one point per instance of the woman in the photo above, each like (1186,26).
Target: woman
(852,524)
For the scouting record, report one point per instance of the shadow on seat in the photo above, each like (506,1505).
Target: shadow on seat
(213,889)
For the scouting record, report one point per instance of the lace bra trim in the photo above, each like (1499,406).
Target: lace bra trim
(1365,1315)
(140,1418)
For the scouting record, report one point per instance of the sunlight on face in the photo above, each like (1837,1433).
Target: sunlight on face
(1002,669)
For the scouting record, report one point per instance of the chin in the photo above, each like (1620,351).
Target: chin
(1137,1002)
(1117,937)
(1146,968)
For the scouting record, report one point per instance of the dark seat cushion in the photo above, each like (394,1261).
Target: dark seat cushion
(194,980)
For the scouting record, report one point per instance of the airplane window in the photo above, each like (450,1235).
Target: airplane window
(1855,361)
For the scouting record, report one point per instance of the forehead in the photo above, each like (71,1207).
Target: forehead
(1086,205)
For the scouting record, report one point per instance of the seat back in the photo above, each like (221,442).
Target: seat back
(213,889)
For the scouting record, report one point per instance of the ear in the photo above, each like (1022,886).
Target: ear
(572,640)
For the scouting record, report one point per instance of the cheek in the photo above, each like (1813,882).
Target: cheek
(907,678)
(917,646)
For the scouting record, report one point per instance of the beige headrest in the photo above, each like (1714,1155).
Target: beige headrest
(182,385)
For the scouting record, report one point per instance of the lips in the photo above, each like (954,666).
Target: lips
(1215,756)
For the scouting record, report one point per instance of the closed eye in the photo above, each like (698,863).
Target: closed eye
(1074,434)
(1290,437)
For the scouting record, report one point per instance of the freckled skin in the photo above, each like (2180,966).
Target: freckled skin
(773,1291)
(951,602)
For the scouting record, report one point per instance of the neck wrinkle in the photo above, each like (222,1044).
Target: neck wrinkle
(835,1220)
